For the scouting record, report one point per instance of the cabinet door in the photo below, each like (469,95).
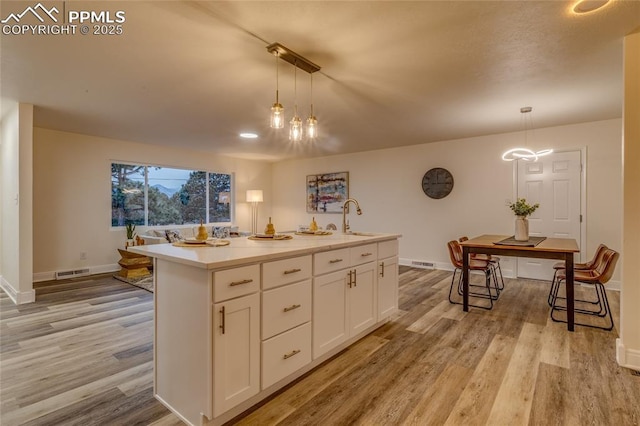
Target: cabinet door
(330,326)
(387,287)
(361,299)
(236,352)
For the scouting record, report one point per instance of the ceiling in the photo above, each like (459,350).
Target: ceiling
(196,74)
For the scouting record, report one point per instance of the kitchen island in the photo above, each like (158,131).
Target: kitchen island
(235,323)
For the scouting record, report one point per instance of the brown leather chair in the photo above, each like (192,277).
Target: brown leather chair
(589,265)
(598,276)
(493,260)
(491,294)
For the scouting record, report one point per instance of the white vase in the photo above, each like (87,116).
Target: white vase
(522,229)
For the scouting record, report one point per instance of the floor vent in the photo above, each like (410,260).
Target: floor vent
(61,275)
(420,264)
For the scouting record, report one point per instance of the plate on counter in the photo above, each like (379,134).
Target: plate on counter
(266,237)
(316,233)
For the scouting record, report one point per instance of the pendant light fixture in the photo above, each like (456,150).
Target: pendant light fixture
(296,130)
(525,154)
(277,111)
(312,121)
(295,125)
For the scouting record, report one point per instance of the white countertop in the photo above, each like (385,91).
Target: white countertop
(242,250)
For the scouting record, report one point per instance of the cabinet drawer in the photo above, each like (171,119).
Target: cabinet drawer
(330,261)
(236,282)
(285,307)
(387,249)
(364,254)
(281,272)
(285,353)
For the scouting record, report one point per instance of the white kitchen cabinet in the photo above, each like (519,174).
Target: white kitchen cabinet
(387,287)
(344,304)
(330,326)
(285,353)
(387,278)
(236,355)
(361,298)
(233,325)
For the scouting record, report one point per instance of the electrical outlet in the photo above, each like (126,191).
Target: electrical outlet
(83,255)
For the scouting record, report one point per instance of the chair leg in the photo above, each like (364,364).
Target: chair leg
(501,285)
(602,295)
(553,283)
(488,295)
(453,277)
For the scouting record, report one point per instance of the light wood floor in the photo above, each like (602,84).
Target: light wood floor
(82,355)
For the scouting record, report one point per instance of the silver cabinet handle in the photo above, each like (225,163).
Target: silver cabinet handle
(290,354)
(292,271)
(366,254)
(235,283)
(381,269)
(222,320)
(335,260)
(291,308)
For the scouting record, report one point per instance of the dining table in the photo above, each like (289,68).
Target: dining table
(502,245)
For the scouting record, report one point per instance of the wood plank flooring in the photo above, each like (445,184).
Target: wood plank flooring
(82,355)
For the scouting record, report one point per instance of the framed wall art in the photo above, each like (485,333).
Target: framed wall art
(327,192)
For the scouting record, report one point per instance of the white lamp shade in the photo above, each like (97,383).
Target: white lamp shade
(254,195)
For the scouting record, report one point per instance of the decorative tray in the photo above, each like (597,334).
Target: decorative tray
(211,242)
(265,237)
(316,233)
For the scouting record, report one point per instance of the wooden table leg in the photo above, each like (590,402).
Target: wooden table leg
(568,267)
(465,279)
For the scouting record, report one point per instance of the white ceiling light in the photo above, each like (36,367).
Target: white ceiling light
(586,6)
(248,135)
(525,154)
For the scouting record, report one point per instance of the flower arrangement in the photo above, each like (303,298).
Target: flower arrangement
(522,208)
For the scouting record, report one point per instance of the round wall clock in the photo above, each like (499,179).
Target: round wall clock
(437,183)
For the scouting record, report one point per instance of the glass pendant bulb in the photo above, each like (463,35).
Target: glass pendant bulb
(295,129)
(295,125)
(277,116)
(312,127)
(312,121)
(277,111)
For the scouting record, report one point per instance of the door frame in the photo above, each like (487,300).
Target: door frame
(583,198)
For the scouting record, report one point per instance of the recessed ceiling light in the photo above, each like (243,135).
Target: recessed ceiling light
(248,135)
(586,6)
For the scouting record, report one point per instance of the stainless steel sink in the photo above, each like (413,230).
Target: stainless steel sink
(363,234)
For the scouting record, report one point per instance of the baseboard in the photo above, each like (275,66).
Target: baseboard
(614,285)
(447,266)
(17,297)
(628,358)
(93,270)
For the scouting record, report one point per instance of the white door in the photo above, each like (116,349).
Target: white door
(554,181)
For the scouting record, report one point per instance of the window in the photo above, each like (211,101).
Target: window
(153,195)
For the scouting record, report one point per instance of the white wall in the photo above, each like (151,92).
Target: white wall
(387,183)
(16,217)
(628,353)
(72,203)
